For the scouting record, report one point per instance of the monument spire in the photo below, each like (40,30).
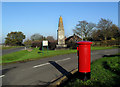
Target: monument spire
(60,22)
(60,34)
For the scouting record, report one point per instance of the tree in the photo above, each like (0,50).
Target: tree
(97,35)
(114,32)
(14,38)
(83,29)
(44,38)
(105,26)
(27,42)
(36,37)
(50,38)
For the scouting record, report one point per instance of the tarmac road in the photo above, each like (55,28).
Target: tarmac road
(46,70)
(7,51)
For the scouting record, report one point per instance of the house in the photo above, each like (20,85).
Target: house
(73,38)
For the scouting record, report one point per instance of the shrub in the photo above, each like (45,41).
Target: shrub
(72,45)
(52,45)
(106,43)
(37,43)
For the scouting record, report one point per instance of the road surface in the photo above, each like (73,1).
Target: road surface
(46,70)
(7,51)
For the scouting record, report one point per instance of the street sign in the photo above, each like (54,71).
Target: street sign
(45,43)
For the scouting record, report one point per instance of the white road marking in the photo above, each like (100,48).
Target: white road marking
(63,60)
(2,76)
(41,65)
(107,54)
(49,63)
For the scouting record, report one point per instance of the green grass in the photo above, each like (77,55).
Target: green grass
(105,72)
(101,48)
(34,54)
(10,47)
(25,55)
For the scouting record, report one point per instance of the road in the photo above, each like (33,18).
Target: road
(7,51)
(46,70)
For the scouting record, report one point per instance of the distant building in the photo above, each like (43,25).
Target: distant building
(73,38)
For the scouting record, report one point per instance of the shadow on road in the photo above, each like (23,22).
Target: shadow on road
(111,56)
(61,69)
(4,71)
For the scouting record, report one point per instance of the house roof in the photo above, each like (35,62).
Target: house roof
(72,37)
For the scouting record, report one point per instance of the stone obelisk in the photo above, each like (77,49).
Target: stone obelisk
(60,34)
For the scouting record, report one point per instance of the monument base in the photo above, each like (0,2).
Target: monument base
(61,46)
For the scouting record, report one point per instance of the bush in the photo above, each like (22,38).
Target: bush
(27,43)
(106,43)
(72,45)
(37,43)
(52,45)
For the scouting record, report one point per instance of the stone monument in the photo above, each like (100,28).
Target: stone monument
(60,35)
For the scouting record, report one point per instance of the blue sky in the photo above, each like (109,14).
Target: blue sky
(43,17)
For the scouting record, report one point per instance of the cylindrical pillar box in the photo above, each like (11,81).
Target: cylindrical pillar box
(77,51)
(84,59)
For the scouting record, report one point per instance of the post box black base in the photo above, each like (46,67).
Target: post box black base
(84,76)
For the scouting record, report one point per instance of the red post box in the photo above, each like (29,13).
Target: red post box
(77,52)
(84,59)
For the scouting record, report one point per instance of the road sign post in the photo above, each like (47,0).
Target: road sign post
(44,43)
(84,59)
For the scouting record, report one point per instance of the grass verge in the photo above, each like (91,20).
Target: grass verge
(105,72)
(25,55)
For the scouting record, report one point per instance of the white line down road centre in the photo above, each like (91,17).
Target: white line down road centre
(49,63)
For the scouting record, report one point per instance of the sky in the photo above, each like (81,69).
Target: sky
(43,17)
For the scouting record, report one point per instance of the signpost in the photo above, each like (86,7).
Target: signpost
(45,43)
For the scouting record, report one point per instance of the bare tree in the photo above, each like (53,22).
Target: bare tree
(36,36)
(50,38)
(83,29)
(97,35)
(105,25)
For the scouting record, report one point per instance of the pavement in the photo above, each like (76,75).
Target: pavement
(46,70)
(7,51)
